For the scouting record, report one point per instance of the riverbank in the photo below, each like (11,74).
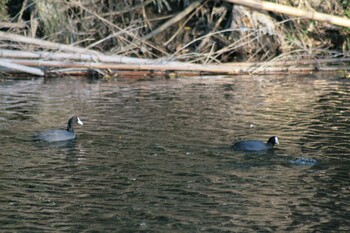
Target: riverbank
(200,37)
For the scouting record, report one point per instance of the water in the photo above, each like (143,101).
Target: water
(154,156)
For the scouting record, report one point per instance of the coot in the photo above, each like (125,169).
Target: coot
(58,134)
(254,145)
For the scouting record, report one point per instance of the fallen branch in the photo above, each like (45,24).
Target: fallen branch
(219,69)
(79,51)
(98,65)
(93,57)
(5,53)
(13,66)
(288,10)
(297,62)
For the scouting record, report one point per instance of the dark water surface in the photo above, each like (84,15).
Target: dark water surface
(154,156)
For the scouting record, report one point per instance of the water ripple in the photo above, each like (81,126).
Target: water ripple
(155,155)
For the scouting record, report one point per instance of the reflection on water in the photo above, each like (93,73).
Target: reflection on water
(155,155)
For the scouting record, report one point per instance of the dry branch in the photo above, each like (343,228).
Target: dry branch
(42,43)
(221,69)
(4,53)
(13,66)
(173,20)
(296,62)
(62,47)
(12,25)
(288,10)
(97,65)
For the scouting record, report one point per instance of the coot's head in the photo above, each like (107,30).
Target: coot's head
(273,140)
(73,120)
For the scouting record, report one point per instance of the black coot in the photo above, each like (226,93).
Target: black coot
(59,134)
(254,145)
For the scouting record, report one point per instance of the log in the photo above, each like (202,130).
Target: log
(93,57)
(4,53)
(22,68)
(98,65)
(292,11)
(218,69)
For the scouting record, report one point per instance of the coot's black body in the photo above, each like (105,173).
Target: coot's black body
(254,145)
(60,135)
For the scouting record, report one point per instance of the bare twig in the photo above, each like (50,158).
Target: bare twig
(279,8)
(13,25)
(173,20)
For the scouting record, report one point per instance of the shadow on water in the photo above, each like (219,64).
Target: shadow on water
(155,156)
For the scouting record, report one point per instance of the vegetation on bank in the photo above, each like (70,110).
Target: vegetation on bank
(195,31)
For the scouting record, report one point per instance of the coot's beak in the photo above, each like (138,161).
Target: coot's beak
(276,140)
(79,121)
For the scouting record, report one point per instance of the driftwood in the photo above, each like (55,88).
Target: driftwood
(60,56)
(98,65)
(256,68)
(18,67)
(274,7)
